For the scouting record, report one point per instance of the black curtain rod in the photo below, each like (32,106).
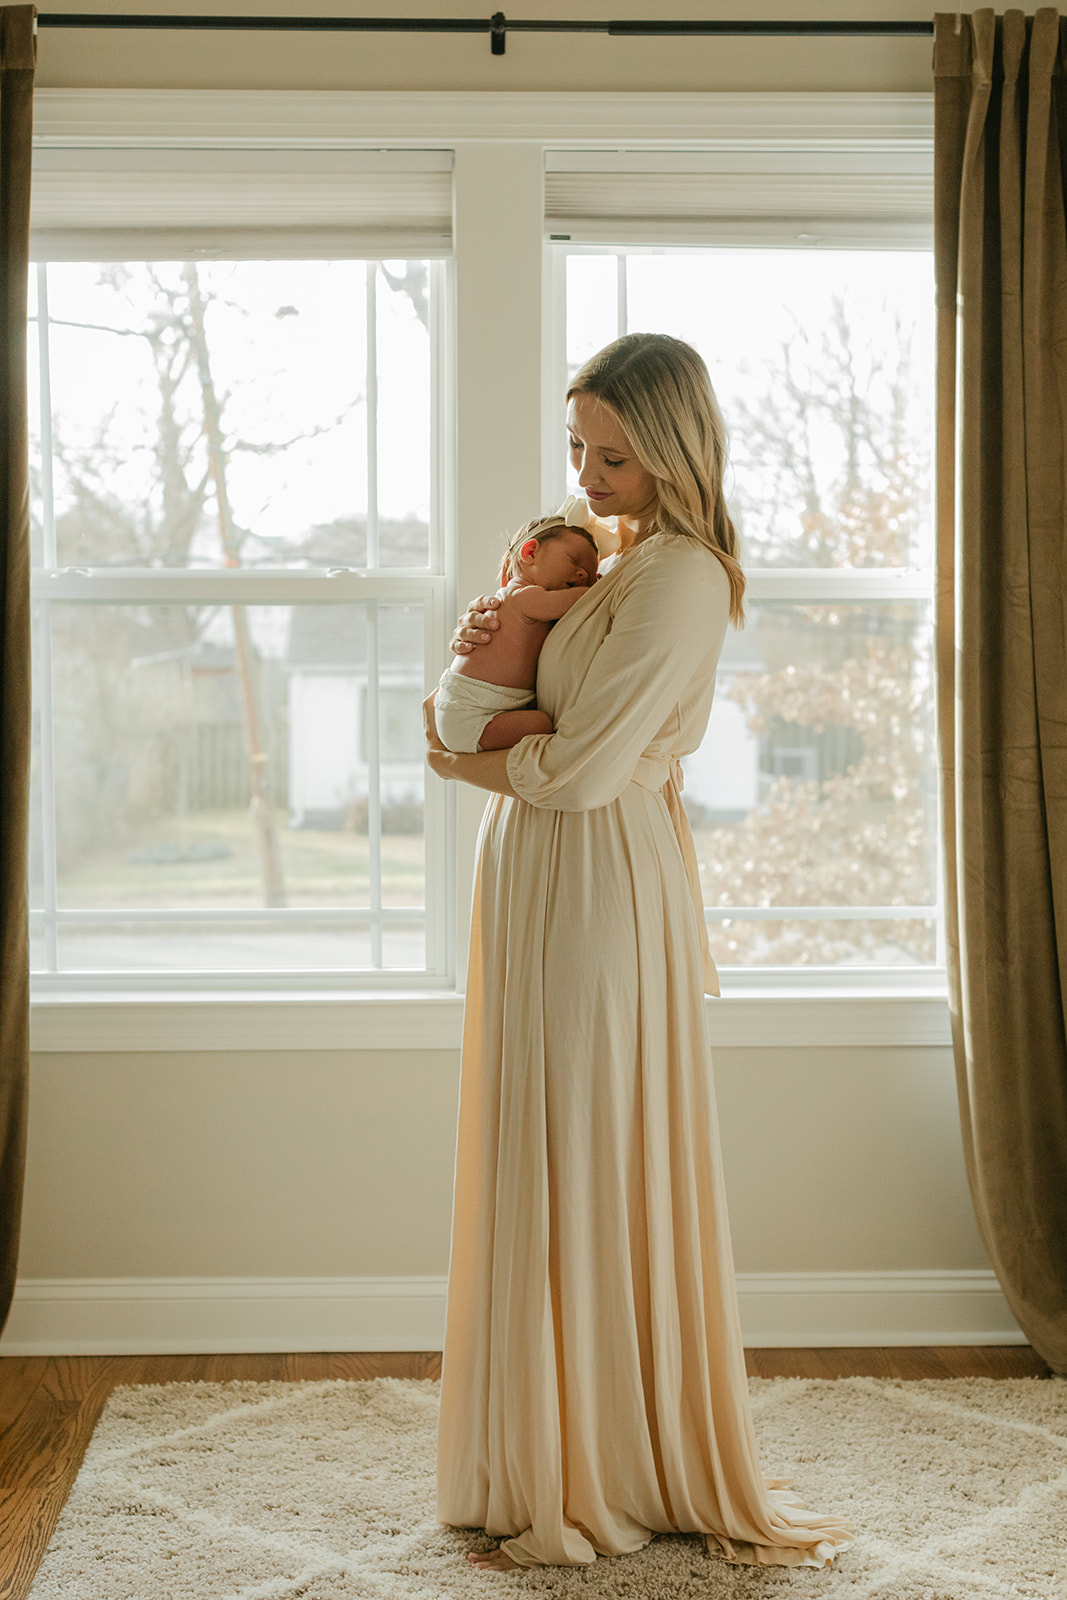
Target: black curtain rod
(497,26)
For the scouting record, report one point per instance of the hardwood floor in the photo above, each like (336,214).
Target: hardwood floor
(918,1361)
(49,1406)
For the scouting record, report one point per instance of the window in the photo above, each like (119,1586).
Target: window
(238,530)
(281,434)
(813,797)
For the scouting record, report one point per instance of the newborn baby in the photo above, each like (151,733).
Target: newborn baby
(485,701)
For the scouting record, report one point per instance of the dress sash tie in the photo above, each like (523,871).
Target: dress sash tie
(664,774)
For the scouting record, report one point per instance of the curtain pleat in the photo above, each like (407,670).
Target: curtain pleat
(17,58)
(1000,143)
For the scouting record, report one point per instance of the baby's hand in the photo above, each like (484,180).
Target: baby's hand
(475,625)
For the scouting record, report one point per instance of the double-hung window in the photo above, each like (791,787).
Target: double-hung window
(804,277)
(240,508)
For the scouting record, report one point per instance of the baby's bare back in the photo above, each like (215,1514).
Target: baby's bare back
(510,657)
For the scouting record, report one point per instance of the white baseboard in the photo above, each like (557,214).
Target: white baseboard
(814,1309)
(188,1316)
(197,1316)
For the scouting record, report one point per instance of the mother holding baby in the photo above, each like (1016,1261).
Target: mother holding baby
(594,1389)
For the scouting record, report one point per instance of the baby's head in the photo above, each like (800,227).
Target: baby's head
(571,563)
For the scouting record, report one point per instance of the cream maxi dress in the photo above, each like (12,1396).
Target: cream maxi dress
(594,1387)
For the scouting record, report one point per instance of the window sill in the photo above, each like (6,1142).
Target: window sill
(145,1022)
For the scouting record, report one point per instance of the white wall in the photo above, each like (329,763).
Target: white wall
(335,1164)
(576,62)
(281,1200)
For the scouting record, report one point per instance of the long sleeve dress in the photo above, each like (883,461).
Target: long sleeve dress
(594,1388)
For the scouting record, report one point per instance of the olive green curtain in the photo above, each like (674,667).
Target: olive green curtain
(17,57)
(1000,143)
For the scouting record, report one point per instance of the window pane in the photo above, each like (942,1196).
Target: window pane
(592,307)
(855,943)
(815,782)
(220,760)
(822,361)
(404,390)
(231,946)
(237,413)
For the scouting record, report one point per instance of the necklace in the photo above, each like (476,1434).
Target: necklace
(640,538)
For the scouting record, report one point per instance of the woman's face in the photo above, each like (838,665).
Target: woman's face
(609,473)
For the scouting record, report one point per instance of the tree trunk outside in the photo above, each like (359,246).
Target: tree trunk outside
(262,804)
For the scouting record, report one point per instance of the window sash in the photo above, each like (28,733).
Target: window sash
(290,589)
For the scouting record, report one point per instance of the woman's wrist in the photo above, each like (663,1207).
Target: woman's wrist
(441,762)
(485,769)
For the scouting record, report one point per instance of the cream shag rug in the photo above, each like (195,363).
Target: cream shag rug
(957,1489)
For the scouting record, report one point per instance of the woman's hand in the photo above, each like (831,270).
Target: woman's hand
(476,625)
(439,759)
(429,723)
(485,769)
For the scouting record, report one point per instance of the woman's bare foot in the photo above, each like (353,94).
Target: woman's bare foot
(491,1561)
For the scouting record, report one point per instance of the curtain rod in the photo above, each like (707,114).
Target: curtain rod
(497,26)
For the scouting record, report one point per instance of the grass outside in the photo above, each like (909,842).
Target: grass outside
(214,863)
(218,865)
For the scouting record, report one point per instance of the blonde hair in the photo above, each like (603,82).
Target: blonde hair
(659,389)
(542,529)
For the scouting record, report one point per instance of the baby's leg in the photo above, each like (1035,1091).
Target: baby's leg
(508,727)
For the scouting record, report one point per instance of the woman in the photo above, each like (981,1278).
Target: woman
(594,1388)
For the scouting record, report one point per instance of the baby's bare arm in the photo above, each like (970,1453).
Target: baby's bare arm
(546,605)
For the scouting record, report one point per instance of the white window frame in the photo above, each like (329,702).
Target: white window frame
(503,465)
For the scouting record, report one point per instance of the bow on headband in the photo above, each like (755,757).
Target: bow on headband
(576,513)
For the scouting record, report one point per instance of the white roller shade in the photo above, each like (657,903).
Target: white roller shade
(758,195)
(106,204)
